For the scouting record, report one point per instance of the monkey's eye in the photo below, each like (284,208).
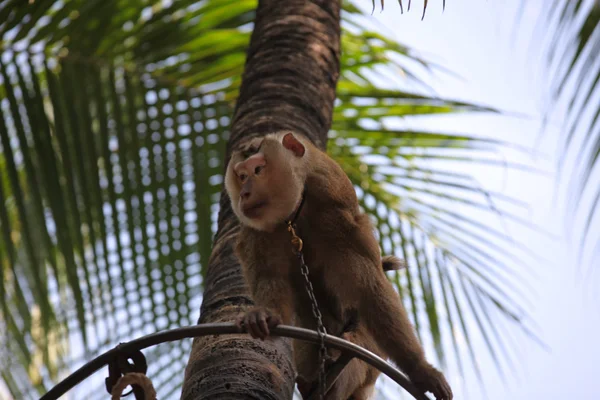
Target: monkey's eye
(250,151)
(243,177)
(258,169)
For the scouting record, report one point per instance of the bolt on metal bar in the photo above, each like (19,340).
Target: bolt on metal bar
(223,329)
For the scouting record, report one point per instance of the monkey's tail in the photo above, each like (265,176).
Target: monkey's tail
(392,263)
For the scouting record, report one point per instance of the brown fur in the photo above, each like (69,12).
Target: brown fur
(340,248)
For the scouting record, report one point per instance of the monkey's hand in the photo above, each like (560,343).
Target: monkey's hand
(258,321)
(429,379)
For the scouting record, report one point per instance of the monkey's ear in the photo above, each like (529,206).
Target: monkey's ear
(291,143)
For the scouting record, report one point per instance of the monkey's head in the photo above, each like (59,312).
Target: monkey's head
(265,179)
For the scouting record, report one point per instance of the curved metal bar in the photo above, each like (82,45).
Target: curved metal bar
(222,329)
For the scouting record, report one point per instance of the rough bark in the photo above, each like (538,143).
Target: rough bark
(289,83)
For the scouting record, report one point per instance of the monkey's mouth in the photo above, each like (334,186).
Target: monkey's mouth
(253,210)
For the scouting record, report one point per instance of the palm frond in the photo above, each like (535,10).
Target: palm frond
(572,57)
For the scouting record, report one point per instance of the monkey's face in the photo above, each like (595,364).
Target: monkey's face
(263,182)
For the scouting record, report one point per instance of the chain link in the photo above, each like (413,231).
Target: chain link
(321,331)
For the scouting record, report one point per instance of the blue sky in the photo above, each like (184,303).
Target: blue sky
(501,67)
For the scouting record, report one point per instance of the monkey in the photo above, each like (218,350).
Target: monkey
(280,178)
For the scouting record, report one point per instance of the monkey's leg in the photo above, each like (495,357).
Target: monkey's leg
(364,392)
(353,383)
(357,380)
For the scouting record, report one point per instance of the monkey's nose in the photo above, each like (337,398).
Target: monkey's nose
(252,166)
(256,164)
(245,193)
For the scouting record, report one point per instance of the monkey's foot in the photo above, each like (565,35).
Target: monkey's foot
(429,379)
(258,322)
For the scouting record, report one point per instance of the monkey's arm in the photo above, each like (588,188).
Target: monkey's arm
(275,293)
(270,288)
(273,306)
(387,320)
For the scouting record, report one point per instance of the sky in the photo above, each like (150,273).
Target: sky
(501,67)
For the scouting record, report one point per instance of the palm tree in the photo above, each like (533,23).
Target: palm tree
(116,118)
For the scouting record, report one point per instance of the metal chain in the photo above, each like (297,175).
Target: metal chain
(321,331)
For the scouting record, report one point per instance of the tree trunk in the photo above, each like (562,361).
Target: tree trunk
(289,83)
